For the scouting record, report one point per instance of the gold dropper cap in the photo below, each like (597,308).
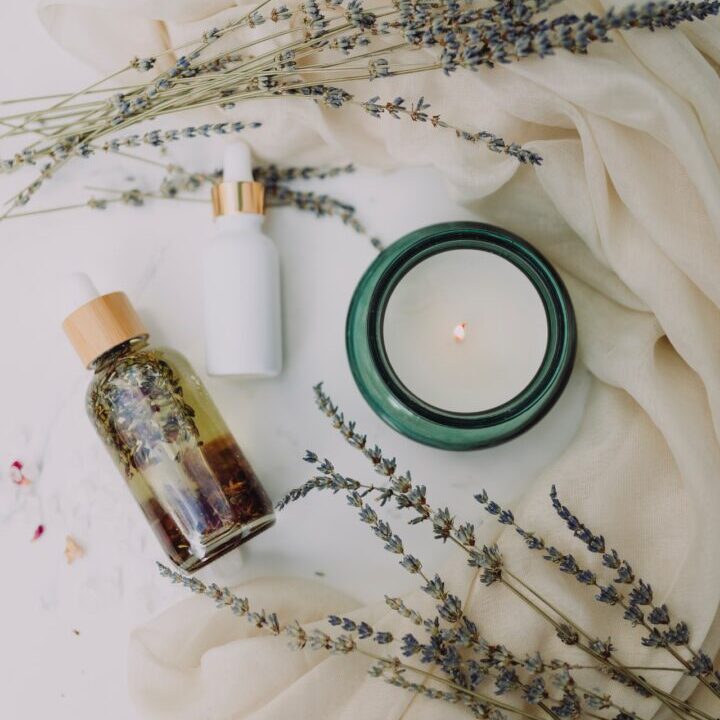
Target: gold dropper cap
(232,198)
(102,324)
(238,192)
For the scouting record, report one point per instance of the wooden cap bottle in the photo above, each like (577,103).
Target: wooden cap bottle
(164,433)
(97,323)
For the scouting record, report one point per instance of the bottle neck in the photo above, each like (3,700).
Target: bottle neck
(111,356)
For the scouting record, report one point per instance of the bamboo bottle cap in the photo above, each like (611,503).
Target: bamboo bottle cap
(101,324)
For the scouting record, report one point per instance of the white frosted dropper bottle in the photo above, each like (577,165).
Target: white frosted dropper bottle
(243,332)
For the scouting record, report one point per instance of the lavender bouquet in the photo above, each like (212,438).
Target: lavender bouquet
(310,53)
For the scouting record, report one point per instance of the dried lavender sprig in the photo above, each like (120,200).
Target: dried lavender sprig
(334,482)
(409,496)
(279,195)
(223,597)
(504,32)
(566,563)
(441,651)
(449,606)
(398,605)
(601,650)
(417,112)
(477,704)
(320,205)
(183,66)
(444,649)
(25,195)
(641,594)
(31,117)
(154,138)
(505,681)
(362,629)
(569,706)
(393,675)
(494,660)
(300,638)
(649,16)
(178,180)
(92,202)
(274,175)
(133,197)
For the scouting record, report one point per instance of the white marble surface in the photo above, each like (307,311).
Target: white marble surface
(46,668)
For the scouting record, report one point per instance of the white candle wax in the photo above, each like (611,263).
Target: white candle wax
(465,330)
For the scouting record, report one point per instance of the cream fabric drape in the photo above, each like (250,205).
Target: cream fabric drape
(626,206)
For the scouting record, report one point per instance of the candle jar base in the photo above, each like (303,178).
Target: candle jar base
(414,416)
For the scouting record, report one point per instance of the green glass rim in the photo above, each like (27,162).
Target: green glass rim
(411,415)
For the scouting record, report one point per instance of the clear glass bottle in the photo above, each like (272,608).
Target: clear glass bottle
(167,438)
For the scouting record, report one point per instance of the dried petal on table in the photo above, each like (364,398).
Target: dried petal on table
(17,475)
(39,530)
(73,551)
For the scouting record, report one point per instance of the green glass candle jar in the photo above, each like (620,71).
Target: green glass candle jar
(461,335)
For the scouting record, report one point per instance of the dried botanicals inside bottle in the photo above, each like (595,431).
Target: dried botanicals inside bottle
(182,464)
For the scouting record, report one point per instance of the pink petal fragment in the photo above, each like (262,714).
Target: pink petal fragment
(17,475)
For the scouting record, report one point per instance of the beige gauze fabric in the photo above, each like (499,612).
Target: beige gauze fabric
(626,206)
